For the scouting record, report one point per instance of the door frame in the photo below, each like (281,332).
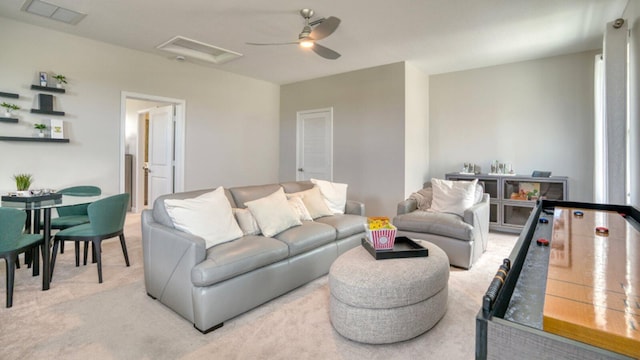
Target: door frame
(298,139)
(179,136)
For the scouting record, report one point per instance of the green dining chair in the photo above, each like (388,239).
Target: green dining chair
(73,215)
(106,221)
(13,242)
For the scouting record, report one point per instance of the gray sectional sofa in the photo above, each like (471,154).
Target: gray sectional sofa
(210,286)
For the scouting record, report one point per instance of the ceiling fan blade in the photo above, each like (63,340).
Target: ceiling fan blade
(325,52)
(282,43)
(326,28)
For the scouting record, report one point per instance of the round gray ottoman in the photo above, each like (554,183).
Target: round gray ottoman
(386,301)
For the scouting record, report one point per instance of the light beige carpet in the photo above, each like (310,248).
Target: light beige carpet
(79,318)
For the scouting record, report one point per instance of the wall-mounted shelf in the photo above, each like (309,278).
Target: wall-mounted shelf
(9,95)
(36,139)
(8,119)
(38,111)
(47,88)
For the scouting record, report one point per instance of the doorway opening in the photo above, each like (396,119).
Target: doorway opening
(152,156)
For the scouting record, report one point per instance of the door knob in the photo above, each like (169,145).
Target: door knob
(300,169)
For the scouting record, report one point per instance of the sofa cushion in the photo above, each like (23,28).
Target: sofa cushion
(243,194)
(208,216)
(307,237)
(296,186)
(231,259)
(273,213)
(453,196)
(314,202)
(335,194)
(345,225)
(443,224)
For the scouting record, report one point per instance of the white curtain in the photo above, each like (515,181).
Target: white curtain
(614,166)
(600,168)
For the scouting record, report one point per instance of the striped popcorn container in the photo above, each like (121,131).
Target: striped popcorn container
(382,239)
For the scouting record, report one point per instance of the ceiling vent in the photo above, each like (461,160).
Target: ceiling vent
(198,50)
(53,12)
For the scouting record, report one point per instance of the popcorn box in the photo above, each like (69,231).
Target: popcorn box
(382,239)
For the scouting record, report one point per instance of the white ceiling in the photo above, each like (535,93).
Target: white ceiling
(435,35)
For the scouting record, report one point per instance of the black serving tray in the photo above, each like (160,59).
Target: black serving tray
(403,247)
(29,199)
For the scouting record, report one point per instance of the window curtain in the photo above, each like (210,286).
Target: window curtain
(614,165)
(600,168)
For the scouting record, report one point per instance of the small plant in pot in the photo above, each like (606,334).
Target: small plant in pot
(41,128)
(23,183)
(9,108)
(61,80)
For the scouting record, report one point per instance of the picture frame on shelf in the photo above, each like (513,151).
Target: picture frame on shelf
(57,129)
(43,78)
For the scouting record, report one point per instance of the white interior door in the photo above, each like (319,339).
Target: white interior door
(161,142)
(315,144)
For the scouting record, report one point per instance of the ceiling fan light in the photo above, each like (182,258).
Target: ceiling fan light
(306,43)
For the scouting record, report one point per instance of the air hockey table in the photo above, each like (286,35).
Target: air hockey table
(570,289)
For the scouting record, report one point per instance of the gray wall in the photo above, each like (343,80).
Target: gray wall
(231,121)
(535,114)
(368,131)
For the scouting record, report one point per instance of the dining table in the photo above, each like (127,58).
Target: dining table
(39,207)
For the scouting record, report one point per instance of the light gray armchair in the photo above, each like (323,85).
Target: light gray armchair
(463,238)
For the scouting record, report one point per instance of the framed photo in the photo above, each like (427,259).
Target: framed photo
(43,78)
(57,129)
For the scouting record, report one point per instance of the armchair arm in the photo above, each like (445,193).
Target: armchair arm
(478,211)
(354,208)
(407,206)
(478,217)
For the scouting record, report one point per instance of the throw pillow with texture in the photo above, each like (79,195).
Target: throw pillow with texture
(423,198)
(298,207)
(452,196)
(314,202)
(335,194)
(208,216)
(246,221)
(273,213)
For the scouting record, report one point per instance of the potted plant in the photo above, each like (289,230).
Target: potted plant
(9,108)
(61,80)
(23,182)
(41,127)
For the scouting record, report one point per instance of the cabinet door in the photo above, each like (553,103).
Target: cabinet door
(516,214)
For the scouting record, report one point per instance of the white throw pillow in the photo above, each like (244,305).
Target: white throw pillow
(208,216)
(453,196)
(314,202)
(273,213)
(479,193)
(298,207)
(335,194)
(247,222)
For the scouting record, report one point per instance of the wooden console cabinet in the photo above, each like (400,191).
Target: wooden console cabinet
(513,197)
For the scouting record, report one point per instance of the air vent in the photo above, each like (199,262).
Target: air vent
(198,50)
(53,12)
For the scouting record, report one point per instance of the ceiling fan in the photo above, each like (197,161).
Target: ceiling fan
(313,31)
